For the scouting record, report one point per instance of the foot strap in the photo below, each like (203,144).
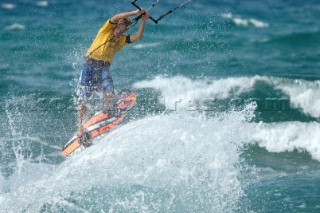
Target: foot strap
(85,139)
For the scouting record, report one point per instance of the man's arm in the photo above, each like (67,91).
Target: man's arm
(138,35)
(120,16)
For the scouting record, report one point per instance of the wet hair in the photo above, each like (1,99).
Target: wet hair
(126,21)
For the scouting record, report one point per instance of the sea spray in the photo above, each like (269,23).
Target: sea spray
(140,167)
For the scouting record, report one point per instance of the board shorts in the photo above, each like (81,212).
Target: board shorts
(95,76)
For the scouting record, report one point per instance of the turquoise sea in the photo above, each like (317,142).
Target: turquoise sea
(227,118)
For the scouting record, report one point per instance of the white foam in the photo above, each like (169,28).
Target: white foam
(257,23)
(177,92)
(8,6)
(145,45)
(189,169)
(198,166)
(42,3)
(303,94)
(15,26)
(227,15)
(239,21)
(289,136)
(2,186)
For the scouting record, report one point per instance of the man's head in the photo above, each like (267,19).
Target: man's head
(122,26)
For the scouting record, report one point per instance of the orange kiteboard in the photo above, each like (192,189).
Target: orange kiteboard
(102,123)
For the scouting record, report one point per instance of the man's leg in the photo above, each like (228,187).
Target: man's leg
(84,139)
(81,114)
(107,87)
(83,94)
(108,101)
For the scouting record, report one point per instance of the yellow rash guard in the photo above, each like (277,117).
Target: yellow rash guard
(107,51)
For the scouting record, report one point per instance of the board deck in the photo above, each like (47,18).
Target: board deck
(100,123)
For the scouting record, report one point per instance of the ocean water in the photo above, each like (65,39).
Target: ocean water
(227,118)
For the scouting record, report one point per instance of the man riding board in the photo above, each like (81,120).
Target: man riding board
(95,75)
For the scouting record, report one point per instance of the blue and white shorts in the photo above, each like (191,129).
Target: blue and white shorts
(95,76)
